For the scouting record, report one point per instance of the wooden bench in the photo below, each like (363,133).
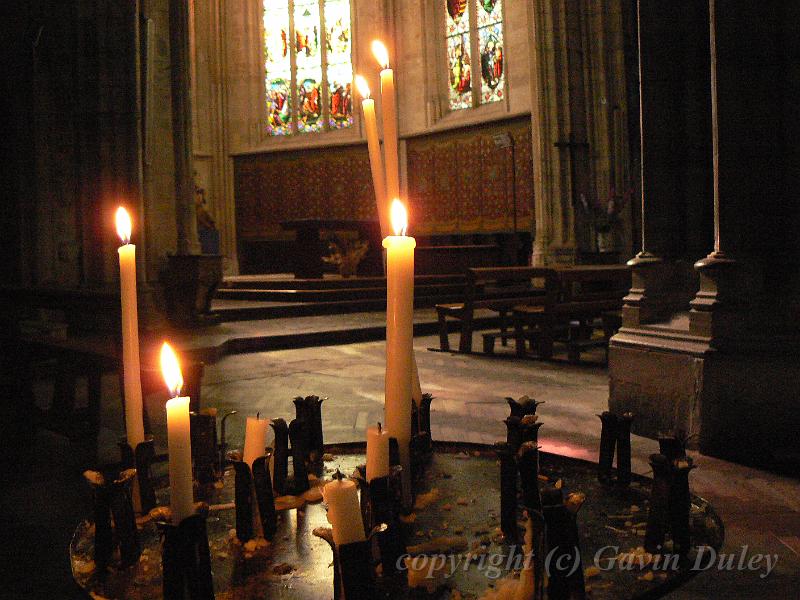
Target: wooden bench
(87,347)
(577,300)
(495,288)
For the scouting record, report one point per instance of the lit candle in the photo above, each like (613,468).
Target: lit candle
(344,511)
(255,439)
(179,442)
(389,109)
(399,336)
(374,147)
(377,452)
(134,425)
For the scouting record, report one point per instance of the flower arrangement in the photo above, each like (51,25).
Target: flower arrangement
(346,254)
(603,216)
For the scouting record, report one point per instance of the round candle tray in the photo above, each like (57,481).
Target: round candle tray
(462,488)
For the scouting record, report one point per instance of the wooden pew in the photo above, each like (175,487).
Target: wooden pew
(87,347)
(494,288)
(579,294)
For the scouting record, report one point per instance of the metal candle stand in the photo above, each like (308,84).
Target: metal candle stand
(353,573)
(528,463)
(670,504)
(513,433)
(254,489)
(524,406)
(508,493)
(298,437)
(185,557)
(421,441)
(281,454)
(141,459)
(615,435)
(205,449)
(565,576)
(222,449)
(309,411)
(380,507)
(112,497)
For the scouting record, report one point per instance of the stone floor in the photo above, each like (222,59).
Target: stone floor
(761,510)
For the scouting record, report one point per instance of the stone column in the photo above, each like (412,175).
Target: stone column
(554,237)
(653,295)
(749,165)
(182,126)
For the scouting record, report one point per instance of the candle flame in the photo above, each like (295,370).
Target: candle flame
(399,217)
(363,87)
(124,225)
(381,53)
(171,370)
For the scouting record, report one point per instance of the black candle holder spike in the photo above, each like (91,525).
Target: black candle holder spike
(508,493)
(185,556)
(424,410)
(673,446)
(529,429)
(205,451)
(316,437)
(420,448)
(298,437)
(380,509)
(658,509)
(680,505)
(513,433)
(608,443)
(394,452)
(223,442)
(281,452)
(528,464)
(565,576)
(539,552)
(523,407)
(112,492)
(309,411)
(624,422)
(353,574)
(141,458)
(254,489)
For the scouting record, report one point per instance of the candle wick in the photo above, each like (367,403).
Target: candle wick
(380,429)
(338,475)
(258,415)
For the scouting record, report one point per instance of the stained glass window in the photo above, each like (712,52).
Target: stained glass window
(308,65)
(474,28)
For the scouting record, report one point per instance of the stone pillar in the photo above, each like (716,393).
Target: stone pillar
(748,161)
(182,126)
(656,281)
(554,237)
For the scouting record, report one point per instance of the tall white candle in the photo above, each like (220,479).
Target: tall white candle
(374,147)
(399,336)
(389,109)
(377,452)
(134,425)
(179,443)
(344,511)
(255,439)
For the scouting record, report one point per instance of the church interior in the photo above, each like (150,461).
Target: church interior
(352,235)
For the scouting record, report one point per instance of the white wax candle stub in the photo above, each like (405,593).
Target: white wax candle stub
(255,439)
(180,459)
(344,511)
(377,452)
